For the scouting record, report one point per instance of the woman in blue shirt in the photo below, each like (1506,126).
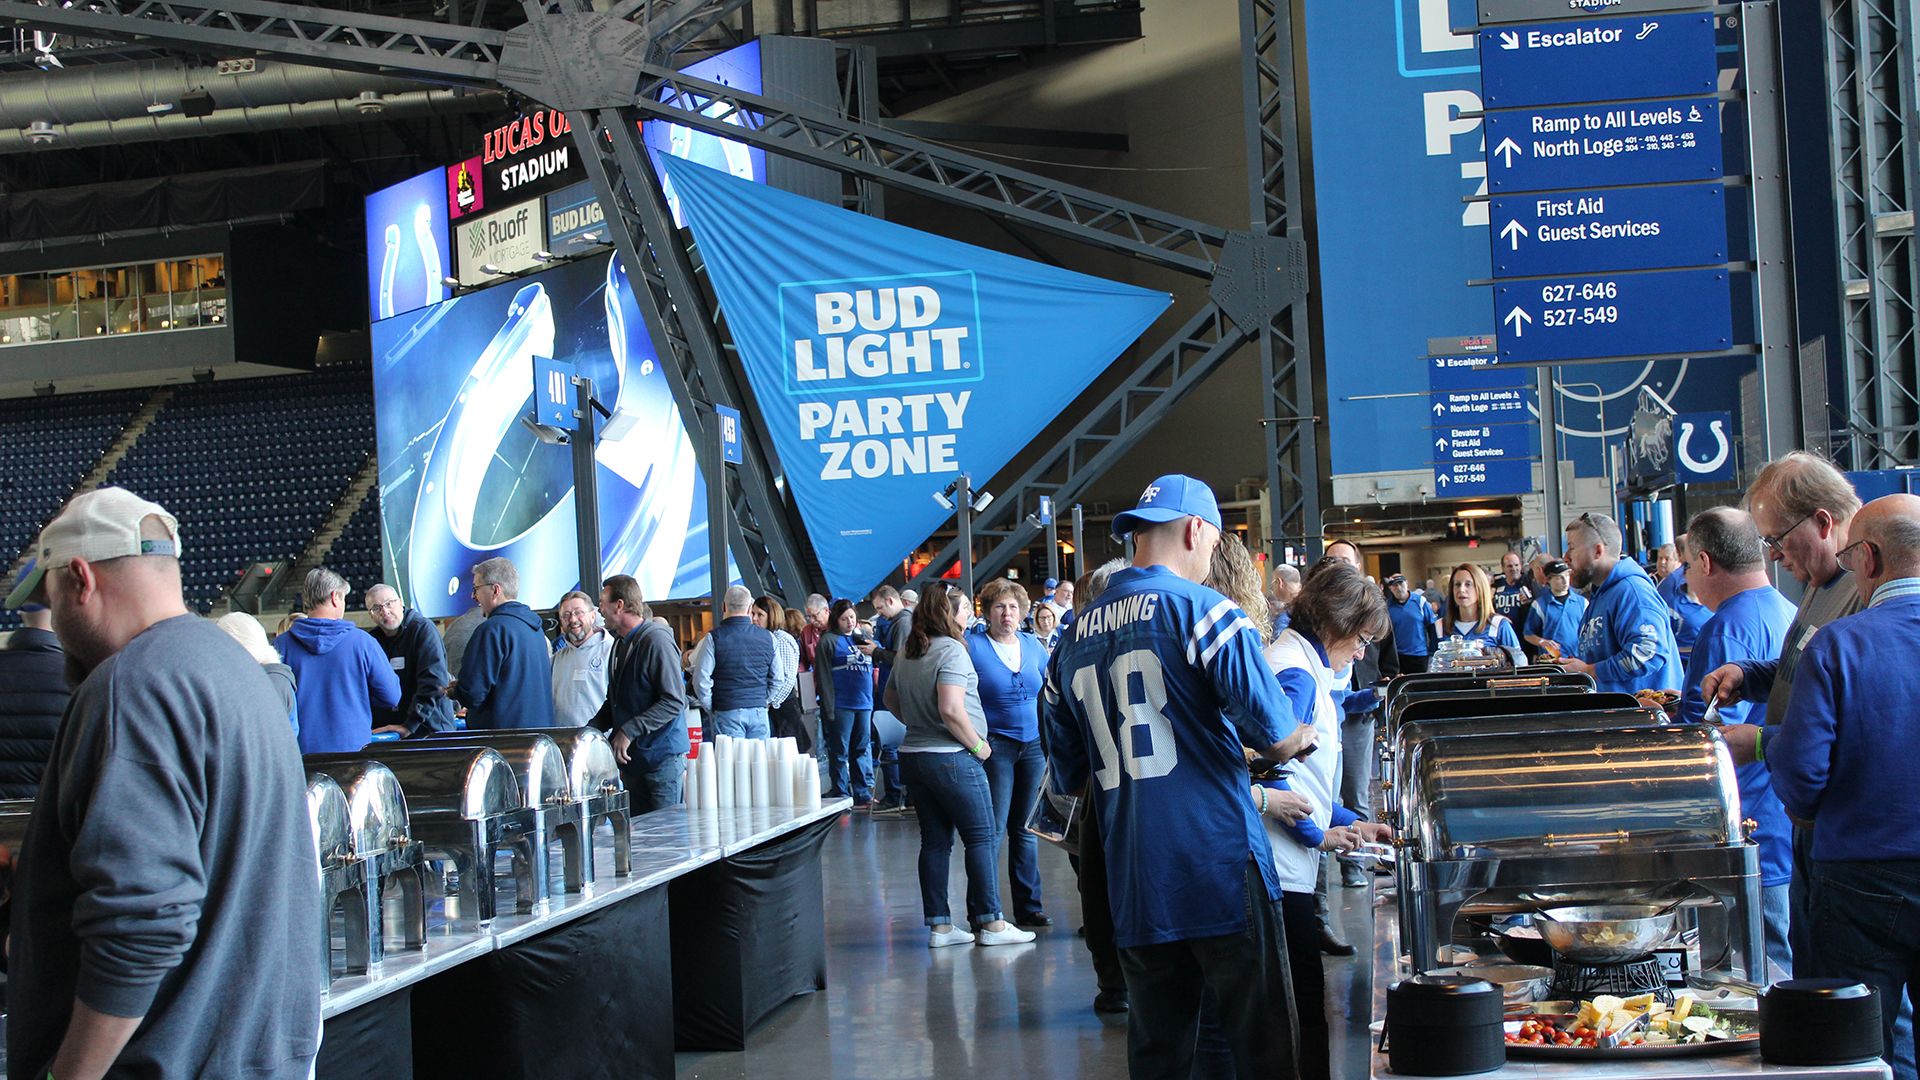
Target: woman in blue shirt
(1012,666)
(846,702)
(1470,613)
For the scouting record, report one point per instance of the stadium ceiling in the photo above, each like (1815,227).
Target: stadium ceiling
(610,70)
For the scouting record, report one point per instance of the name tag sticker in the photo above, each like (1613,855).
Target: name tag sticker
(1806,636)
(399,663)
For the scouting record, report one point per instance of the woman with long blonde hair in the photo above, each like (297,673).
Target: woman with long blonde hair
(1469,613)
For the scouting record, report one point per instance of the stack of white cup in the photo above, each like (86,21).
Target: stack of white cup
(741,774)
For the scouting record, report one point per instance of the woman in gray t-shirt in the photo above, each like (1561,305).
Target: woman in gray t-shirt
(936,694)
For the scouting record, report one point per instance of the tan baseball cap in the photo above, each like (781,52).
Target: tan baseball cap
(96,526)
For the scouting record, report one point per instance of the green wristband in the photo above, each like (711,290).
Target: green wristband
(1759,744)
(977,747)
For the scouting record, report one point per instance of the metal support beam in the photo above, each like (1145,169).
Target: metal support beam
(1294,466)
(1081,455)
(675,311)
(1052,138)
(1870,69)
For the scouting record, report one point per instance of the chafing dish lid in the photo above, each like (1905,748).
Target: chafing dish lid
(1478,706)
(376,804)
(591,768)
(537,763)
(14,815)
(327,814)
(1548,792)
(471,781)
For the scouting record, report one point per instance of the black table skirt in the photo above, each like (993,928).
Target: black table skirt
(748,934)
(587,999)
(372,1042)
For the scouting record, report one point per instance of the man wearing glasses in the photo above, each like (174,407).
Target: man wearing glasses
(1838,761)
(1804,509)
(1626,642)
(418,659)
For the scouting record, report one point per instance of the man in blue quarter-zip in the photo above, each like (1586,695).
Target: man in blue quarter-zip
(1626,642)
(1412,619)
(1154,689)
(1840,761)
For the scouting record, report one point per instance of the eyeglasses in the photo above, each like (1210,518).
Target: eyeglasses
(1366,641)
(1773,542)
(1845,553)
(385,604)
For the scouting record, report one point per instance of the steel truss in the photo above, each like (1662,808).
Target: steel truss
(1871,71)
(609,71)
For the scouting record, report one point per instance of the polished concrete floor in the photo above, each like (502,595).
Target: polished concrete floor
(895,1009)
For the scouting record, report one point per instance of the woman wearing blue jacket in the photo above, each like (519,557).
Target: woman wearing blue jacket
(1470,613)
(1012,667)
(846,702)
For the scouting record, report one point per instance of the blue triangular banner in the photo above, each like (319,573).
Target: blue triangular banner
(886,361)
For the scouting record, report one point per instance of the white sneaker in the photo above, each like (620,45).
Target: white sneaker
(955,936)
(1012,935)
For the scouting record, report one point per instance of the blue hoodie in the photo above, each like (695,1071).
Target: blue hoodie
(340,676)
(506,677)
(1628,634)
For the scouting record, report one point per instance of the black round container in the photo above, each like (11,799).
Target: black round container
(1819,1022)
(1444,1025)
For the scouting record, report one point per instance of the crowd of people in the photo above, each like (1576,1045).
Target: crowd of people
(1217,731)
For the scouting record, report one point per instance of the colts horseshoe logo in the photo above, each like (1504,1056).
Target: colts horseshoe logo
(1698,464)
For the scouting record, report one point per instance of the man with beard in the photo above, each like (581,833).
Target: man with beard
(164,908)
(419,660)
(580,664)
(1626,642)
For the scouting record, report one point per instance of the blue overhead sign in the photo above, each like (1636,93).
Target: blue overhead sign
(1703,447)
(1618,229)
(1474,371)
(1508,406)
(1482,442)
(555,397)
(1582,146)
(1462,479)
(1571,318)
(730,449)
(1668,55)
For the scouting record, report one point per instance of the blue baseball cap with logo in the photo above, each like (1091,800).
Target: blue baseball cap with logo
(1169,498)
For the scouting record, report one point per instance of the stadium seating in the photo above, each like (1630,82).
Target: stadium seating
(52,444)
(356,554)
(251,467)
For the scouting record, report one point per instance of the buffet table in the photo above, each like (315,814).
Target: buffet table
(586,987)
(1385,970)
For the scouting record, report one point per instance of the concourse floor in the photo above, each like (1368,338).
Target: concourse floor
(895,1009)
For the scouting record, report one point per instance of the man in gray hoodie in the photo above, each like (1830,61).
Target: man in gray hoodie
(165,908)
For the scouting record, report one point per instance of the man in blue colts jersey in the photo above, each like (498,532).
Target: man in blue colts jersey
(1155,689)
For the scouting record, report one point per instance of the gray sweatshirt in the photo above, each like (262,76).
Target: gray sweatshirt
(169,871)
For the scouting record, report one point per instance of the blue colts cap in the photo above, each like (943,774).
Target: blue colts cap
(1169,498)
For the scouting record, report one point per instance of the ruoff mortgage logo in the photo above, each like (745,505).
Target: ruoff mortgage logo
(878,368)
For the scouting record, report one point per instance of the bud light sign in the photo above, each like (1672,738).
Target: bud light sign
(886,360)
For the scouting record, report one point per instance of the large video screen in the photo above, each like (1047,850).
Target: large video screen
(738,68)
(462,479)
(407,247)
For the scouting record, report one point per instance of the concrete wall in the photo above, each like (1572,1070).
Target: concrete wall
(1176,94)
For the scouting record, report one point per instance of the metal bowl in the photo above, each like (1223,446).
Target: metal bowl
(1519,984)
(1607,931)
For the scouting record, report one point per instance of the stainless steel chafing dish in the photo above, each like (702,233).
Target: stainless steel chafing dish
(14,815)
(1405,690)
(379,843)
(594,778)
(342,878)
(545,790)
(465,808)
(1568,810)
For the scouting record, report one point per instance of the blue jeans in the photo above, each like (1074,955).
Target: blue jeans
(950,792)
(1013,772)
(653,785)
(1866,926)
(1774,912)
(846,736)
(741,723)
